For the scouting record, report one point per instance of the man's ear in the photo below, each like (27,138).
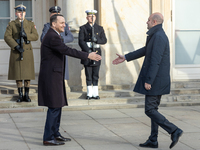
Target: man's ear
(155,22)
(53,24)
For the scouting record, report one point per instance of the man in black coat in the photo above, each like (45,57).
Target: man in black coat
(154,78)
(87,38)
(51,87)
(66,35)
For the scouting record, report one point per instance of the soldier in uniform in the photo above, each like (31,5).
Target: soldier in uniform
(20,70)
(66,35)
(86,39)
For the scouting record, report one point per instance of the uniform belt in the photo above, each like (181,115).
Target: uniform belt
(89,44)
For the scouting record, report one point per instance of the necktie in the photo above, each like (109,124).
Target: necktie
(61,38)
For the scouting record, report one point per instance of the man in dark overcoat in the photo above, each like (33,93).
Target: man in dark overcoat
(51,87)
(86,39)
(20,70)
(66,35)
(154,78)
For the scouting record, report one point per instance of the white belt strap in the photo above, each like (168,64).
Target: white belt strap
(89,44)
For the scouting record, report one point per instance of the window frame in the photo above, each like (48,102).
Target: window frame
(13,17)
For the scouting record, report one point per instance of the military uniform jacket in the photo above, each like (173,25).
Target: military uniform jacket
(156,66)
(51,86)
(85,35)
(21,70)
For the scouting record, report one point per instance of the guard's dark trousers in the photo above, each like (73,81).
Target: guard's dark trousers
(92,75)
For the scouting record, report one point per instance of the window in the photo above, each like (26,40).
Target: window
(4,16)
(187,34)
(7,12)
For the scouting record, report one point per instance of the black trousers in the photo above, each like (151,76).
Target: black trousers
(92,75)
(151,110)
(52,125)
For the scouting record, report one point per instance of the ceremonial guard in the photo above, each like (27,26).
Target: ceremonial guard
(90,37)
(19,34)
(66,35)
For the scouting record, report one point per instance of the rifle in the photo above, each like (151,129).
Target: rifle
(21,38)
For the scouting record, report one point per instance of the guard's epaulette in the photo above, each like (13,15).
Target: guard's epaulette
(30,21)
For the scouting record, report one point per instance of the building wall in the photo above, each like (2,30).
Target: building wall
(125,26)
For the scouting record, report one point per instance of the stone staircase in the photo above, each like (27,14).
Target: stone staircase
(112,96)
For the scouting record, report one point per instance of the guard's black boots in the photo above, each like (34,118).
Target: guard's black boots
(20,91)
(26,97)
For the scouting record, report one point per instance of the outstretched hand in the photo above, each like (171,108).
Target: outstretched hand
(118,60)
(94,56)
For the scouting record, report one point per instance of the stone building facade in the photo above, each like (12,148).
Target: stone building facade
(125,26)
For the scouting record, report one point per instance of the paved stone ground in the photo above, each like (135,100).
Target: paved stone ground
(112,129)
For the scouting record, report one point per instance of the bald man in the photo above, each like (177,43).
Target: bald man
(154,78)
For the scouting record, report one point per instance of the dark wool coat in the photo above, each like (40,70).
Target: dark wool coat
(156,66)
(21,70)
(67,38)
(51,87)
(85,35)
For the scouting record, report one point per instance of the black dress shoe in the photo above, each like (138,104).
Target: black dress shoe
(52,143)
(61,138)
(96,97)
(175,137)
(88,97)
(150,144)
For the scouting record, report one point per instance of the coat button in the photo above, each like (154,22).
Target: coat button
(89,39)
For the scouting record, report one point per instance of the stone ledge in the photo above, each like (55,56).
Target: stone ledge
(95,107)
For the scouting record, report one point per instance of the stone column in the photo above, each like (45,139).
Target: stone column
(74,12)
(163,7)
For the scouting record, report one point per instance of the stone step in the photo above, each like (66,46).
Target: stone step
(185,91)
(6,89)
(175,86)
(103,94)
(109,94)
(106,101)
(94,107)
(14,90)
(101,88)
(13,97)
(186,84)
